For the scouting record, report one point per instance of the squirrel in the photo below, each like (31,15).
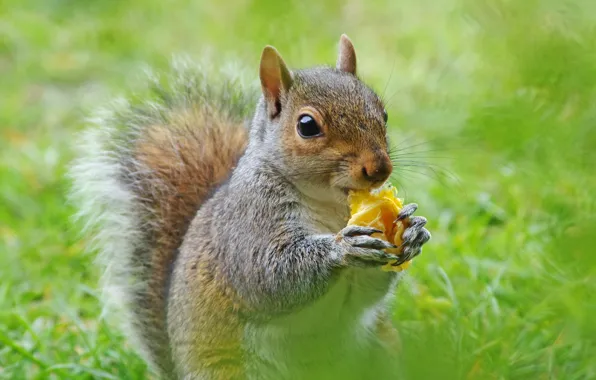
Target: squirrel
(224,236)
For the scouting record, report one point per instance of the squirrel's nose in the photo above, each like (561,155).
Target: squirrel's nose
(377,169)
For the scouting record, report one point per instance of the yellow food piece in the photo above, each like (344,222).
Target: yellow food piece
(379,209)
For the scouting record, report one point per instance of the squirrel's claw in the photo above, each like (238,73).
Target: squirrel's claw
(415,235)
(368,256)
(414,230)
(368,242)
(407,211)
(358,230)
(362,249)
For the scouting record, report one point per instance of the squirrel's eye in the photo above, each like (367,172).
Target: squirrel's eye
(308,127)
(385,116)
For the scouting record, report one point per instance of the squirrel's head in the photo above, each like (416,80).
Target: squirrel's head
(328,128)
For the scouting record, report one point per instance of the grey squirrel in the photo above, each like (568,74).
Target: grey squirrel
(225,237)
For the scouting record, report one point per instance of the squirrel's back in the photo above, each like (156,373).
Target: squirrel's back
(143,171)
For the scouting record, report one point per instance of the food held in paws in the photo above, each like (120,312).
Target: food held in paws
(379,209)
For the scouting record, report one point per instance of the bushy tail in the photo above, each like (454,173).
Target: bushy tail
(143,171)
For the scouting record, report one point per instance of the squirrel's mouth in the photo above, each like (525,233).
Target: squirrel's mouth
(346,190)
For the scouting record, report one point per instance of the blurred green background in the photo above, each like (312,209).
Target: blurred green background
(495,101)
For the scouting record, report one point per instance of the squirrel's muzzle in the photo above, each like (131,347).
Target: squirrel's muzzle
(376,168)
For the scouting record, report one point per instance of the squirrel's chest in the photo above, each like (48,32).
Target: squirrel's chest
(326,218)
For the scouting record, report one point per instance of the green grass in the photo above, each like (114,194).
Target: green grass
(501,92)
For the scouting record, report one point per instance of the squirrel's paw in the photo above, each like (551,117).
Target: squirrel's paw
(363,249)
(414,236)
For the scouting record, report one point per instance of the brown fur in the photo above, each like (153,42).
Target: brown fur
(387,333)
(182,163)
(205,326)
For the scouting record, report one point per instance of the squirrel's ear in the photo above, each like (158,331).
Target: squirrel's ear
(275,79)
(346,61)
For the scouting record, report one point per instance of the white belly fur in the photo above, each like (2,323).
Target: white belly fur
(326,337)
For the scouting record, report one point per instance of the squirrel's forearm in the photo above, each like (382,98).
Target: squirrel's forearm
(290,274)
